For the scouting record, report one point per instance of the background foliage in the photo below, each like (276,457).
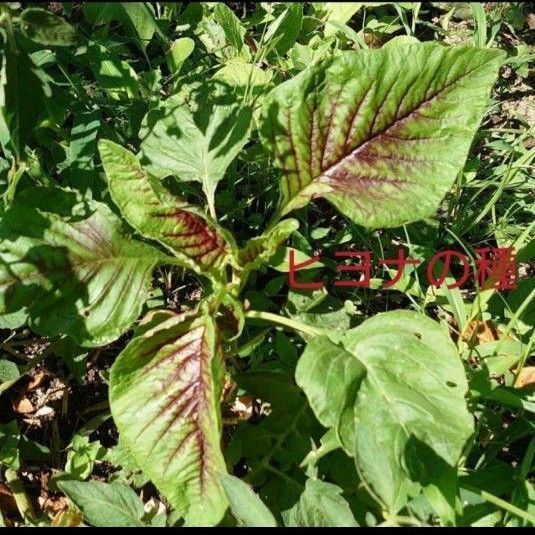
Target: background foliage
(198,91)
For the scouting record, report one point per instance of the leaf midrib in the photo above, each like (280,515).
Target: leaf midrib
(397,120)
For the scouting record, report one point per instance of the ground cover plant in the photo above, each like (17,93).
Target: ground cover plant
(204,314)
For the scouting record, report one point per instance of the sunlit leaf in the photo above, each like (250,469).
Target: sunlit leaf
(404,366)
(165,390)
(76,274)
(157,214)
(105,505)
(113,74)
(320,505)
(196,145)
(379,133)
(258,251)
(246,506)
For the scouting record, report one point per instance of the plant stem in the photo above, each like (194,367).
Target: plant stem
(520,513)
(285,322)
(23,504)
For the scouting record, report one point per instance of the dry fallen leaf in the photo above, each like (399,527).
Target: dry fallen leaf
(23,406)
(8,505)
(67,518)
(526,377)
(480,332)
(37,378)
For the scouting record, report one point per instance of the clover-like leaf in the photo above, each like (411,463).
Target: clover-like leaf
(73,267)
(158,215)
(394,392)
(381,134)
(165,389)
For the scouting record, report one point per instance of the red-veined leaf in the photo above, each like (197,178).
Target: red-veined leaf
(157,214)
(382,133)
(165,389)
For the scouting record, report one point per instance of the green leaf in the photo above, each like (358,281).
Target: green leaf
(137,19)
(165,389)
(320,505)
(258,251)
(195,146)
(8,371)
(82,148)
(178,53)
(9,445)
(379,133)
(113,74)
(13,321)
(82,455)
(155,213)
(103,504)
(102,13)
(247,508)
(404,366)
(141,21)
(339,12)
(23,91)
(46,28)
(234,31)
(243,76)
(72,266)
(283,31)
(281,439)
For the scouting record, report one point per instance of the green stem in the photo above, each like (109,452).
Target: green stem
(23,504)
(285,322)
(524,515)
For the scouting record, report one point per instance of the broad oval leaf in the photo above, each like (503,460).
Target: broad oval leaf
(406,368)
(179,52)
(246,506)
(320,505)
(77,274)
(165,390)
(46,28)
(381,134)
(105,505)
(158,215)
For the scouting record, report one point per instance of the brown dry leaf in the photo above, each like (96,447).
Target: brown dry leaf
(23,406)
(53,505)
(8,505)
(526,377)
(480,332)
(37,378)
(243,407)
(67,518)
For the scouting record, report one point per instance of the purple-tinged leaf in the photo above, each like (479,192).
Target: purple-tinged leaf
(381,134)
(158,215)
(165,389)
